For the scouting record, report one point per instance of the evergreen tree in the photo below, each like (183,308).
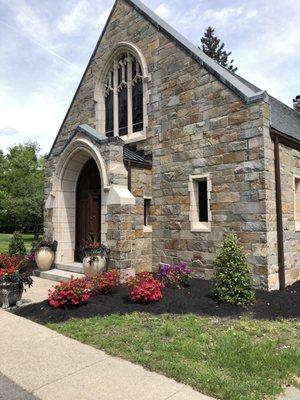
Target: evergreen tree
(17,246)
(212,46)
(233,283)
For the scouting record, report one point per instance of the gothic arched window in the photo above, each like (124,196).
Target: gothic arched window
(124,90)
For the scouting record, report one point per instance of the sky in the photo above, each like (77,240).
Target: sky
(45,46)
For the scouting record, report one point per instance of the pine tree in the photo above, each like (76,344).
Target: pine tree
(212,46)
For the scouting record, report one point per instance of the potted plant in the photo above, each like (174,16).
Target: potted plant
(45,254)
(95,255)
(13,281)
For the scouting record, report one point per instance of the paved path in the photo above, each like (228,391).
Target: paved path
(10,391)
(53,367)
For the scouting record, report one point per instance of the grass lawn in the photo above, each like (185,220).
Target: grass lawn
(231,359)
(5,239)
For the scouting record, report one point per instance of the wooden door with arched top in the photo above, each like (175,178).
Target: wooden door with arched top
(88,206)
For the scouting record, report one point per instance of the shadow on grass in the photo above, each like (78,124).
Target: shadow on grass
(195,299)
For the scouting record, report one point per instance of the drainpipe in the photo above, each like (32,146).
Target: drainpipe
(280,245)
(129,176)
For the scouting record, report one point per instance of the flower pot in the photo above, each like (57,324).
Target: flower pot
(10,294)
(93,265)
(44,258)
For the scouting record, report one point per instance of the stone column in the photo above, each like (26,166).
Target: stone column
(120,211)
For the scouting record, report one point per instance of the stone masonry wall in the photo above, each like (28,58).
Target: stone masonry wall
(196,126)
(290,166)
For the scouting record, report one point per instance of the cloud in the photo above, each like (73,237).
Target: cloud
(72,21)
(163,10)
(8,131)
(231,15)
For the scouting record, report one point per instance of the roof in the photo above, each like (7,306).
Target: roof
(132,155)
(283,118)
(222,74)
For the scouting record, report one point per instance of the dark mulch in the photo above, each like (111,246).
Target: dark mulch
(195,299)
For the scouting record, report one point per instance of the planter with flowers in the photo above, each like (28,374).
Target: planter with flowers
(12,281)
(95,256)
(45,254)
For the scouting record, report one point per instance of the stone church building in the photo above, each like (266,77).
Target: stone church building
(162,152)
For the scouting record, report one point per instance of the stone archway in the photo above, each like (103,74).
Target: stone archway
(77,154)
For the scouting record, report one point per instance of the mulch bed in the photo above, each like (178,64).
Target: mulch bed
(194,299)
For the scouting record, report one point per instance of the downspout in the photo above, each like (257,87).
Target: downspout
(280,245)
(129,175)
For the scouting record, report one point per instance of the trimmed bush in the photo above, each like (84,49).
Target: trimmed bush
(233,283)
(17,246)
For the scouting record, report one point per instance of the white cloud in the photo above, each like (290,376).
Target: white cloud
(73,21)
(163,10)
(8,131)
(231,15)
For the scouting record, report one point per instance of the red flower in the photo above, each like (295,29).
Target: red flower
(69,293)
(144,288)
(103,283)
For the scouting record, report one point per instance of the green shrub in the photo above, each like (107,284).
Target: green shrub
(233,283)
(17,246)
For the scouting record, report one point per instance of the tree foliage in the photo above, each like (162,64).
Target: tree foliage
(17,246)
(212,46)
(21,193)
(233,283)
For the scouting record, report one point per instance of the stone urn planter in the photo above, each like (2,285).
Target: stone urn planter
(44,258)
(10,294)
(94,265)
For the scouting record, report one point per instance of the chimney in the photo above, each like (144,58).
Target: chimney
(296,103)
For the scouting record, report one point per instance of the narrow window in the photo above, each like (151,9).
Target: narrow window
(200,215)
(109,106)
(202,201)
(122,98)
(137,107)
(297,203)
(109,115)
(146,211)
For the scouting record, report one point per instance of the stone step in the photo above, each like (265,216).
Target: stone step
(58,275)
(71,267)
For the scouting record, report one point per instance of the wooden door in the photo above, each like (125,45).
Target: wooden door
(88,206)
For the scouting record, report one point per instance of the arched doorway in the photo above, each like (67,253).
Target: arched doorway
(88,206)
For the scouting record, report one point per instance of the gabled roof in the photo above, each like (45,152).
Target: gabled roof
(282,116)
(222,74)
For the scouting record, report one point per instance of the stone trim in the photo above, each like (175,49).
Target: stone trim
(196,225)
(296,185)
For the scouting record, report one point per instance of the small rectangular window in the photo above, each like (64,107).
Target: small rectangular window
(200,215)
(146,211)
(202,201)
(297,203)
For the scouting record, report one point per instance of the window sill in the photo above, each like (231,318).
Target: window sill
(147,229)
(297,226)
(200,226)
(134,137)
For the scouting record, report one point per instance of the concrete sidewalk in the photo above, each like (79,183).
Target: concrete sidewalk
(53,367)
